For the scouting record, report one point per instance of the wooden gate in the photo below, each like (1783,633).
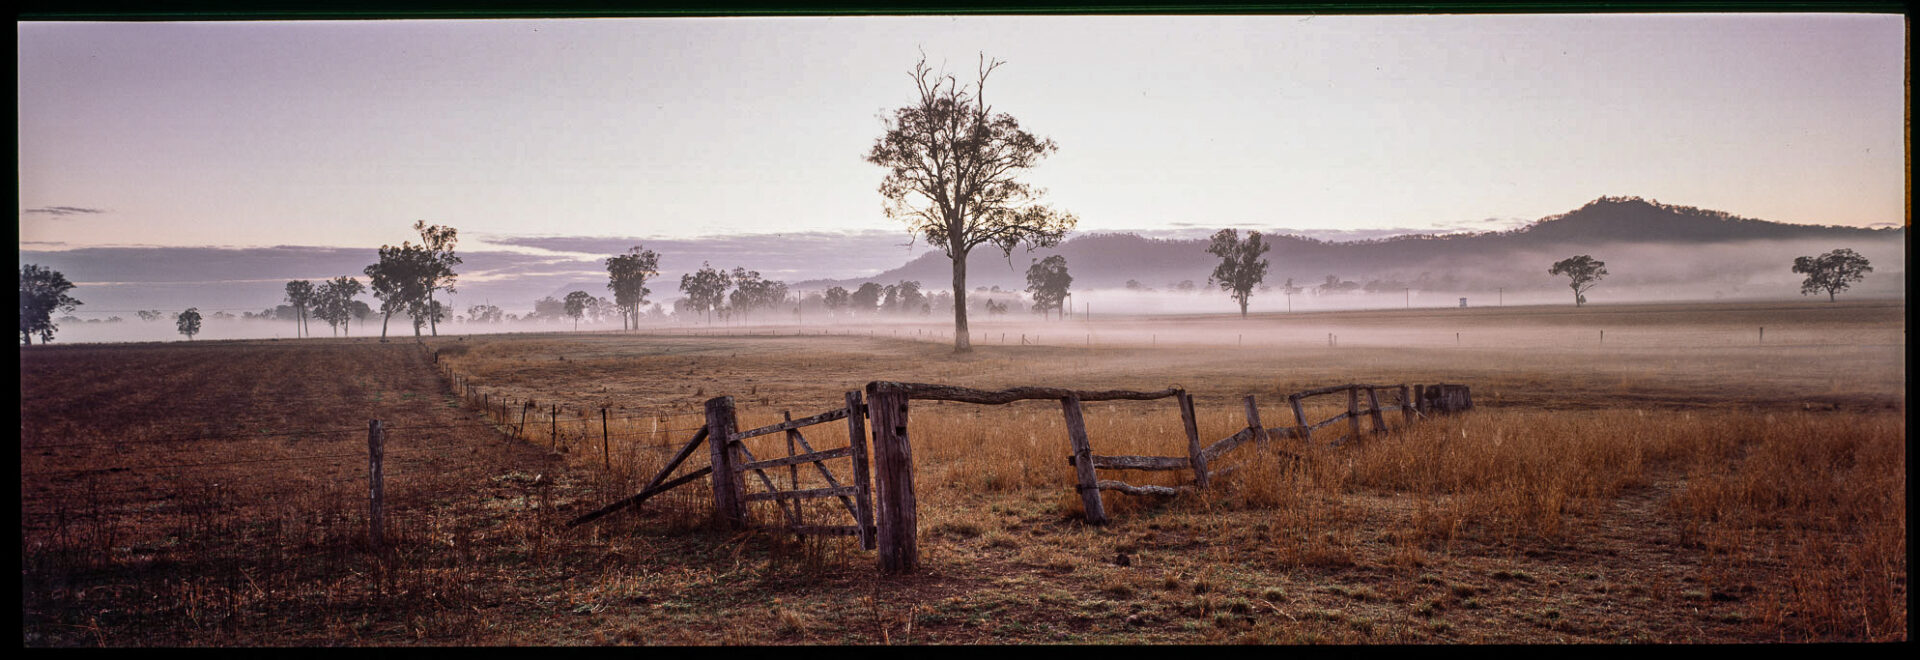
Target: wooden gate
(732,461)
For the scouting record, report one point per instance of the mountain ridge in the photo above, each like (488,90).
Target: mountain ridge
(1110,259)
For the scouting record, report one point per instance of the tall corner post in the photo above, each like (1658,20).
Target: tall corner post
(729,491)
(898,541)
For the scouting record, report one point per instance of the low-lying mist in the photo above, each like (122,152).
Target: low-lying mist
(1637,273)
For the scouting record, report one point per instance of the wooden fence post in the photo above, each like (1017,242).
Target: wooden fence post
(553,427)
(1420,398)
(863,495)
(893,477)
(1406,404)
(606,455)
(1305,432)
(729,491)
(1195,455)
(376,492)
(1379,421)
(1253,422)
(1083,461)
(793,471)
(1353,412)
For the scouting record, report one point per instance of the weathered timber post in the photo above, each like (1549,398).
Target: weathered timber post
(1379,421)
(1420,398)
(1406,404)
(1195,456)
(897,540)
(376,492)
(1253,422)
(793,471)
(1353,412)
(1083,461)
(553,427)
(606,455)
(1304,431)
(863,493)
(729,491)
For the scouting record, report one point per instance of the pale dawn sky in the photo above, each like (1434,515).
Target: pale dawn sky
(344,133)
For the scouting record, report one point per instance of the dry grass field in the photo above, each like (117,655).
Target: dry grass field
(1679,481)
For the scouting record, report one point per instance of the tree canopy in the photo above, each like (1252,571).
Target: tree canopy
(1832,272)
(1241,268)
(835,299)
(953,176)
(188,322)
(1047,281)
(577,302)
(333,301)
(42,292)
(300,295)
(706,289)
(1583,273)
(436,273)
(627,277)
(399,280)
(865,299)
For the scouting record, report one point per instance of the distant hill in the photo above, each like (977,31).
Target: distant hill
(1515,258)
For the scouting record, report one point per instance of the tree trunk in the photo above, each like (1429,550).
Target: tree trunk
(962,338)
(1243,308)
(430,315)
(386,315)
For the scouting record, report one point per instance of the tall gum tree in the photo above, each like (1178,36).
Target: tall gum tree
(953,167)
(1241,268)
(627,277)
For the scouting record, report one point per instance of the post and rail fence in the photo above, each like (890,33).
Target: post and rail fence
(879,496)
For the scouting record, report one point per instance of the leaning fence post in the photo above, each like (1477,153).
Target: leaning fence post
(1305,432)
(1195,456)
(1089,484)
(1373,403)
(863,482)
(1353,411)
(1253,422)
(729,492)
(376,493)
(893,476)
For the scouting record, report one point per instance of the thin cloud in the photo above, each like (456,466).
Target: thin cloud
(64,211)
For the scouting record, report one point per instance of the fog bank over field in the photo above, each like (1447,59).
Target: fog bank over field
(1637,273)
(1653,252)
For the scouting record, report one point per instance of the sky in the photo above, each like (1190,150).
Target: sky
(344,133)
